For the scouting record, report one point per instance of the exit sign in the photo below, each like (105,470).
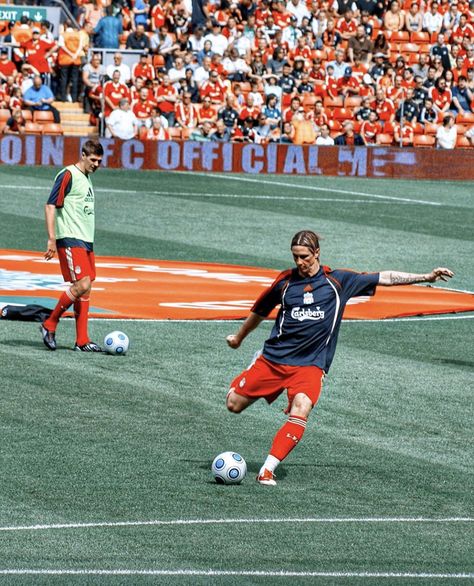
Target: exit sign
(34,13)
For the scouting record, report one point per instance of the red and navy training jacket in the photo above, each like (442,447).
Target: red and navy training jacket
(306,328)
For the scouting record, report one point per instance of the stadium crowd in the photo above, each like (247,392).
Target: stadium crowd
(344,72)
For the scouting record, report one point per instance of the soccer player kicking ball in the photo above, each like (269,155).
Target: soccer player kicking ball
(303,340)
(70,225)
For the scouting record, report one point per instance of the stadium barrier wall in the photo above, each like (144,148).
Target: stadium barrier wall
(213,156)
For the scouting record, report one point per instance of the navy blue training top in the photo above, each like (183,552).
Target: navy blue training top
(306,328)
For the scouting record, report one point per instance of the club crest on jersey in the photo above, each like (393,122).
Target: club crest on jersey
(308,298)
(302,314)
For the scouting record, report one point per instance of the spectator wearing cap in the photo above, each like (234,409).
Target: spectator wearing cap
(138,39)
(108,30)
(37,53)
(339,65)
(291,33)
(360,47)
(143,68)
(348,85)
(432,20)
(348,136)
(69,62)
(219,42)
(40,97)
(7,67)
(120,66)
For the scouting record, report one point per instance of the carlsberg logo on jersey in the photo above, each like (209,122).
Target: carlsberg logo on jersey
(302,314)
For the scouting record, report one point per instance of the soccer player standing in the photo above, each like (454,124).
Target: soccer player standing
(303,340)
(69,216)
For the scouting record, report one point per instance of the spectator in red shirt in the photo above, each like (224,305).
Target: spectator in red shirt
(370,129)
(186,113)
(7,67)
(166,97)
(384,107)
(143,68)
(143,108)
(347,25)
(441,96)
(249,110)
(403,133)
(213,88)
(114,91)
(38,51)
(348,85)
(208,112)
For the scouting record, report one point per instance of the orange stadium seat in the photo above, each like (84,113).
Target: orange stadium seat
(334,125)
(318,54)
(175,133)
(337,102)
(158,61)
(352,102)
(423,140)
(388,128)
(398,36)
(185,133)
(5,114)
(33,128)
(420,37)
(52,128)
(43,116)
(409,48)
(343,114)
(309,100)
(384,139)
(462,142)
(27,115)
(431,128)
(466,118)
(142,132)
(418,128)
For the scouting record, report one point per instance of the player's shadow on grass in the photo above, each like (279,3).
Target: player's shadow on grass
(454,362)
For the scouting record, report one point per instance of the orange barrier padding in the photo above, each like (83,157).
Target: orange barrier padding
(173,155)
(162,289)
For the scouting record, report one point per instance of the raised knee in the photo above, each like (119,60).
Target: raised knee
(234,403)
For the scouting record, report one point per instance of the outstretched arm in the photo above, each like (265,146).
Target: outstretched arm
(252,321)
(396,278)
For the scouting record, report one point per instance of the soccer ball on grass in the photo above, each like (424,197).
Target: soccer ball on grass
(116,343)
(229,468)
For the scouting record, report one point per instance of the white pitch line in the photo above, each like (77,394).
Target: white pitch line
(234,195)
(250,521)
(310,187)
(241,573)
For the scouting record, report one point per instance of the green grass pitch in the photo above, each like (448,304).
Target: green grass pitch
(108,441)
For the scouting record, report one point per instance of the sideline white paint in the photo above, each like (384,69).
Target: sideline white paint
(241,573)
(346,321)
(311,187)
(399,201)
(249,521)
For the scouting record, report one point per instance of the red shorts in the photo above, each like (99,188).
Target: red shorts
(268,380)
(76,263)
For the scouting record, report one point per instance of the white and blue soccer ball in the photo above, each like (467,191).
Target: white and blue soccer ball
(229,468)
(116,343)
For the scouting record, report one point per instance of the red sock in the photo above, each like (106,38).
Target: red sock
(65,301)
(288,436)
(81,313)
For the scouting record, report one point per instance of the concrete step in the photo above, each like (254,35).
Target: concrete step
(79,130)
(79,117)
(77,123)
(68,106)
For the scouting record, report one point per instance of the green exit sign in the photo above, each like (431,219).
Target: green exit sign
(34,13)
